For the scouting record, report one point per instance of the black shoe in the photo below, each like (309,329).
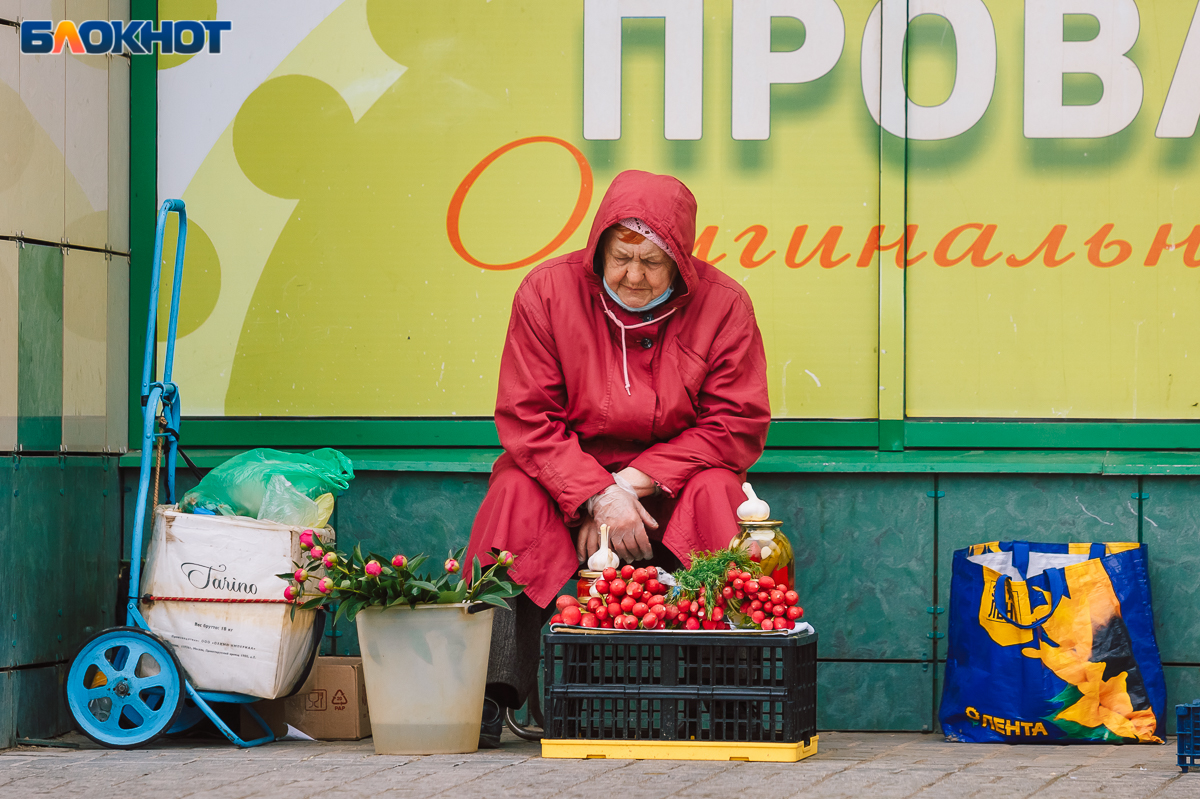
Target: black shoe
(493,723)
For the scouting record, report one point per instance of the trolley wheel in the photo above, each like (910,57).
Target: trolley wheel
(124,688)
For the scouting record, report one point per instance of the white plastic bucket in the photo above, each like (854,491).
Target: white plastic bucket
(425,670)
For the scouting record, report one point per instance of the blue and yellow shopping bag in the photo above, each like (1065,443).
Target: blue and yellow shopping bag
(1052,643)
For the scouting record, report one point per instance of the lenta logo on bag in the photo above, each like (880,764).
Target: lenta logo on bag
(185,36)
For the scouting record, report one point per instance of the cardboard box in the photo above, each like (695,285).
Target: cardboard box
(331,705)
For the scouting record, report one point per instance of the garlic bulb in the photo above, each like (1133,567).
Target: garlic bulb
(603,558)
(753,509)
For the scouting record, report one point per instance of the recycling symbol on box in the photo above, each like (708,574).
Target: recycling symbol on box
(339,700)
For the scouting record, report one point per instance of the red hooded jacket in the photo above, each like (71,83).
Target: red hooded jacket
(697,376)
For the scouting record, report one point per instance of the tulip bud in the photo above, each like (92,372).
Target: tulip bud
(301,575)
(452,566)
(400,562)
(330,560)
(325,585)
(373,568)
(506,558)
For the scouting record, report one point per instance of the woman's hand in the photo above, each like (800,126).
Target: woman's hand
(618,507)
(587,539)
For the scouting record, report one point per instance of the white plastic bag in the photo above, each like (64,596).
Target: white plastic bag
(283,504)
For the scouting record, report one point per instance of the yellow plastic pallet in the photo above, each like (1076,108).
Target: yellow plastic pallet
(679,750)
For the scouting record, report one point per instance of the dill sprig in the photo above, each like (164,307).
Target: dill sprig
(709,570)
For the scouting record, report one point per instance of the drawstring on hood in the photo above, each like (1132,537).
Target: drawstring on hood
(624,328)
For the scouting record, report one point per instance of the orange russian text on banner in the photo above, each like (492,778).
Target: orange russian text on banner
(901,245)
(1161,244)
(704,244)
(758,234)
(977,251)
(827,246)
(1096,247)
(1048,248)
(577,213)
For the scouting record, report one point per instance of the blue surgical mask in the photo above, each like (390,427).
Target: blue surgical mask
(654,303)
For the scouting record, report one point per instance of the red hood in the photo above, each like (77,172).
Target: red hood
(663,203)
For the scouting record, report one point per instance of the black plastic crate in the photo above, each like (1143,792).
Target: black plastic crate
(1187,731)
(676,686)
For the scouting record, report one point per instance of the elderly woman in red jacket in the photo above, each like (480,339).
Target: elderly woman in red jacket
(632,393)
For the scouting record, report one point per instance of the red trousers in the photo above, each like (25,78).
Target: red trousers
(518,515)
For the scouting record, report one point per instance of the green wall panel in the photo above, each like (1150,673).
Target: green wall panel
(1183,686)
(1170,529)
(864,555)
(40,348)
(35,554)
(873,696)
(1052,508)
(39,710)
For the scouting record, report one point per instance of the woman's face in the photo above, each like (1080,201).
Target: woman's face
(637,273)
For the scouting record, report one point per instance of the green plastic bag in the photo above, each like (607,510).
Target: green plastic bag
(237,486)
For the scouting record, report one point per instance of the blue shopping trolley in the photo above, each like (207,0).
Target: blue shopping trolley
(125,686)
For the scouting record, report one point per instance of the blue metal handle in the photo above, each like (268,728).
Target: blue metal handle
(1058,588)
(152,317)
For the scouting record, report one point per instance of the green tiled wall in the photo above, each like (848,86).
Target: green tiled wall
(39,348)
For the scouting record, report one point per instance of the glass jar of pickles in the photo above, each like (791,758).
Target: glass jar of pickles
(768,547)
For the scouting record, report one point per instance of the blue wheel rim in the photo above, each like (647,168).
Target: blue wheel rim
(123,688)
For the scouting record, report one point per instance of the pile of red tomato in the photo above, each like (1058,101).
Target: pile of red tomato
(634,599)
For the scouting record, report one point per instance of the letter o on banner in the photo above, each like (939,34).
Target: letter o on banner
(577,213)
(883,55)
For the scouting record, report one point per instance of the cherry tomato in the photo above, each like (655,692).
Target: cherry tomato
(757,616)
(752,586)
(556,619)
(614,609)
(653,586)
(589,620)
(794,612)
(776,597)
(609,574)
(572,615)
(602,613)
(650,621)
(635,589)
(626,571)
(781,624)
(692,624)
(766,582)
(601,586)
(616,588)
(641,576)
(627,603)
(791,597)
(778,610)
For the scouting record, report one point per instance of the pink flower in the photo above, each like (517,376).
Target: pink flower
(506,558)
(373,568)
(301,575)
(400,562)
(325,585)
(306,539)
(290,593)
(330,560)
(317,553)
(452,566)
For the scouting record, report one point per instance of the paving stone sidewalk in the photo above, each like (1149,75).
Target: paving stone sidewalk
(848,765)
